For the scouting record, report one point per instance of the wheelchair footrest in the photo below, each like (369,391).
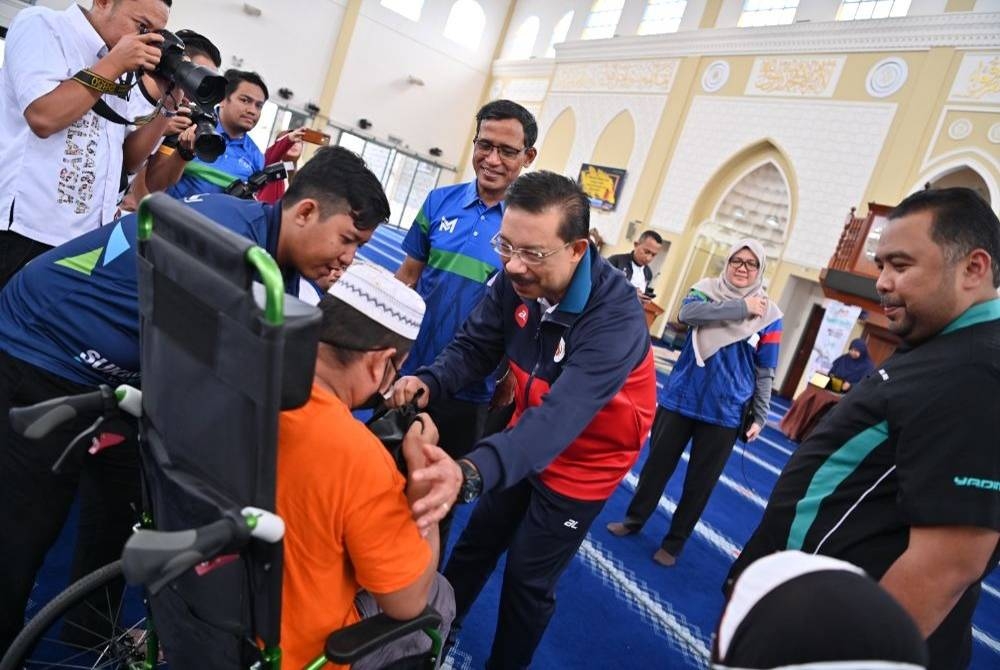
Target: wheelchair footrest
(347,645)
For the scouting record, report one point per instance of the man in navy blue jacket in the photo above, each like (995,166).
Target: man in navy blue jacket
(578,346)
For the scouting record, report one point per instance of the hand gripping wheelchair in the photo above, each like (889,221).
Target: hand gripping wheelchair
(221,356)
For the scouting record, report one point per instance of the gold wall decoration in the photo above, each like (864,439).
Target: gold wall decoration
(805,77)
(649,76)
(978,78)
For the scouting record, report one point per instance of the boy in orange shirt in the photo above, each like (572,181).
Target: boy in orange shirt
(352,546)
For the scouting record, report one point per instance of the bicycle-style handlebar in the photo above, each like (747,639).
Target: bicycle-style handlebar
(37,421)
(156,558)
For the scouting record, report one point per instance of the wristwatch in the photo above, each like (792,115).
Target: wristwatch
(472,483)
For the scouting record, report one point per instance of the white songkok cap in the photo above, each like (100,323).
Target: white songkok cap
(374,292)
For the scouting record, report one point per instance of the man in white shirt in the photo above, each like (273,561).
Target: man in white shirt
(635,265)
(62,160)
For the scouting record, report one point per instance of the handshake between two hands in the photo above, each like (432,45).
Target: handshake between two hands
(434,478)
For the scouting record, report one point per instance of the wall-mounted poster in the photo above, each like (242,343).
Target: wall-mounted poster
(603,185)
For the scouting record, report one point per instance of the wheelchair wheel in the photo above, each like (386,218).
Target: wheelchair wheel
(97,622)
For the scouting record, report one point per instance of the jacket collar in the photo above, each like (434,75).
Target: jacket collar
(578,293)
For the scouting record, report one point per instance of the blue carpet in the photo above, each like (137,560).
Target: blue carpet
(618,609)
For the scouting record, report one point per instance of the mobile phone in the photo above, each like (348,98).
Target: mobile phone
(315,137)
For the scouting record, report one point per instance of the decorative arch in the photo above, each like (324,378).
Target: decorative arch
(949,166)
(616,142)
(553,154)
(763,154)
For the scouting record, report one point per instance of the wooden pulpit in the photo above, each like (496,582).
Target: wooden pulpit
(652,311)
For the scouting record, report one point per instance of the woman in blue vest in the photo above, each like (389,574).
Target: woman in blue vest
(725,369)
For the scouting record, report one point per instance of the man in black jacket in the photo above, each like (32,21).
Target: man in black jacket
(635,264)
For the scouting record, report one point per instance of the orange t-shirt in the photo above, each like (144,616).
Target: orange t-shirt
(347,523)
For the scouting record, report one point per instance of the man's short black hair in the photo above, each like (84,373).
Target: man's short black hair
(235,77)
(961,223)
(350,332)
(341,183)
(498,110)
(650,235)
(535,192)
(196,44)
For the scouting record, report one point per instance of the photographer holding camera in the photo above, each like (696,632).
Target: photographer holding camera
(67,126)
(239,157)
(160,173)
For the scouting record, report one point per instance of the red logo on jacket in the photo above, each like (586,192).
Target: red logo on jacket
(521,315)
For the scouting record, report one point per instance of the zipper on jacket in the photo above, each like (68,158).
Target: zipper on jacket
(534,368)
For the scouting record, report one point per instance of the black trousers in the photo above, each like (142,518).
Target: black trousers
(460,425)
(541,531)
(710,449)
(36,502)
(15,252)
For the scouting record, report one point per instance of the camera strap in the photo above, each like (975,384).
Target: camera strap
(102,85)
(103,110)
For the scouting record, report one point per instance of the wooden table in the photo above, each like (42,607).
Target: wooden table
(807,410)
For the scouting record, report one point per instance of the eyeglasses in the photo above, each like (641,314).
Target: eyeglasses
(392,379)
(737,263)
(527,256)
(484,147)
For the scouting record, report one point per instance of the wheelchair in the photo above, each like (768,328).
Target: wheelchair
(199,582)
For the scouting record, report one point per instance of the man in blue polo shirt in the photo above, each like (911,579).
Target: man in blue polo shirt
(449,257)
(70,321)
(238,114)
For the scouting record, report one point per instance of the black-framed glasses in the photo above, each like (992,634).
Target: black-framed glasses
(392,378)
(750,265)
(485,147)
(528,256)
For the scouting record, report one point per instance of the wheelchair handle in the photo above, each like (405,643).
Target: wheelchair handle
(38,420)
(155,558)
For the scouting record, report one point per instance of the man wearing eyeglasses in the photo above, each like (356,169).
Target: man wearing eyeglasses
(449,259)
(578,347)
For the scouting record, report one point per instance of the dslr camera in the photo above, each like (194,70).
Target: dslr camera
(200,85)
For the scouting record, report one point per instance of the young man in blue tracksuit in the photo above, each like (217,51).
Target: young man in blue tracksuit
(70,321)
(578,347)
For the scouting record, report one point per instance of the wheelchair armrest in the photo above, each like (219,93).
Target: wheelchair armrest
(349,644)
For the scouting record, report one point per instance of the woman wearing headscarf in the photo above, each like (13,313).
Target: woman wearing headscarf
(853,366)
(727,362)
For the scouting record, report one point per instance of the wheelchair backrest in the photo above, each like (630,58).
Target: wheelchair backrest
(216,365)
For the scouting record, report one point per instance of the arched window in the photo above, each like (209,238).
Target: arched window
(524,39)
(662,16)
(851,10)
(603,19)
(465,24)
(409,8)
(767,12)
(559,34)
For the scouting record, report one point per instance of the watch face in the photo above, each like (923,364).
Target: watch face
(472,484)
